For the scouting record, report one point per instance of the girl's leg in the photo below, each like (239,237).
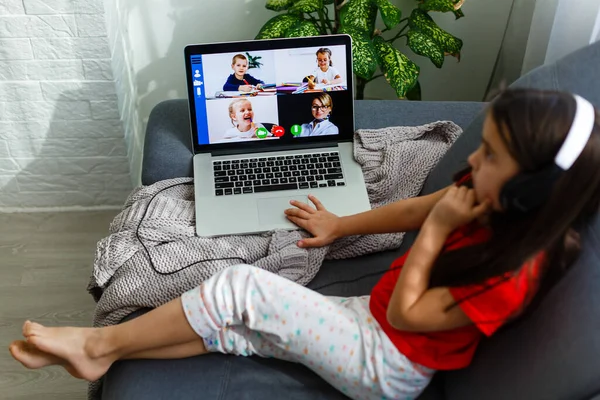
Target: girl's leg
(223,300)
(337,338)
(33,358)
(91,351)
(246,310)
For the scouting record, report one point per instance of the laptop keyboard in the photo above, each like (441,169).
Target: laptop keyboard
(267,174)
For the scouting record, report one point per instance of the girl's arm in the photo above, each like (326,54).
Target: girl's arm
(400,216)
(413,306)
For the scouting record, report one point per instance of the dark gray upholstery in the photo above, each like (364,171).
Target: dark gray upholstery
(551,355)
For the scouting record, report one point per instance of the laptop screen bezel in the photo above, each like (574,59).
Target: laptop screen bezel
(266,44)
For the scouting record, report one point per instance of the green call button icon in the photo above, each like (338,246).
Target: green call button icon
(261,133)
(296,130)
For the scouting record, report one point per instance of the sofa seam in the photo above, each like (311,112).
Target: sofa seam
(554,72)
(224,383)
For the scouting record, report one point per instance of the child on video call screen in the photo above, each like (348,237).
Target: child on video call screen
(271,94)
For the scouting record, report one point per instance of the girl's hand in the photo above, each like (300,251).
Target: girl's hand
(325,81)
(245,88)
(457,208)
(323,225)
(259,86)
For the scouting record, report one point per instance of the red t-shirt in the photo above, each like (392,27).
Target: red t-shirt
(489,309)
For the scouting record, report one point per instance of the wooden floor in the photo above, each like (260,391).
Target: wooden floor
(45,264)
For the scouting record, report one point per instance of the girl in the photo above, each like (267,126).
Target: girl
(429,312)
(325,73)
(242,119)
(321,109)
(240,80)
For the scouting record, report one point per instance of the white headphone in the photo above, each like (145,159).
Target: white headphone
(579,134)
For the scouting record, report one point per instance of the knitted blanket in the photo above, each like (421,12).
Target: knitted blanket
(158,224)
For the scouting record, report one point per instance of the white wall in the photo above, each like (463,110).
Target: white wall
(61,141)
(121,55)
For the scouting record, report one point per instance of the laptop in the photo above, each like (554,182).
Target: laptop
(271,121)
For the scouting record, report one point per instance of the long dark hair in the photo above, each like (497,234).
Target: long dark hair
(533,125)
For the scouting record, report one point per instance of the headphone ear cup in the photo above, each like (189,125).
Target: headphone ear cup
(526,192)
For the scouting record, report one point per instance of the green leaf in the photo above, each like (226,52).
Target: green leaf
(421,21)
(279,5)
(414,93)
(401,73)
(364,57)
(390,14)
(278,25)
(302,29)
(327,2)
(359,14)
(423,45)
(306,6)
(441,5)
(459,13)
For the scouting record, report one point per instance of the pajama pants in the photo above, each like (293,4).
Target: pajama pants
(245,310)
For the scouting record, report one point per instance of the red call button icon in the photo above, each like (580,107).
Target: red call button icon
(278,131)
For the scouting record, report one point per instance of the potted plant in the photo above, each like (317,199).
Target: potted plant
(371,50)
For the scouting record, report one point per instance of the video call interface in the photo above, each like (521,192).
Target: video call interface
(281,94)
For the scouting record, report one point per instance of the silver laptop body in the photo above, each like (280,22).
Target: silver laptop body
(270,137)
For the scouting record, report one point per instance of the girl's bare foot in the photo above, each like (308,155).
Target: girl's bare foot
(80,349)
(33,358)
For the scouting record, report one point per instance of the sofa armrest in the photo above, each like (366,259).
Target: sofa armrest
(168,144)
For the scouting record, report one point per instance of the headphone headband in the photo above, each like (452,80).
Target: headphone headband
(579,134)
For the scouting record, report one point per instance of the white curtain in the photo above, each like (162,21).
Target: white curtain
(575,26)
(542,31)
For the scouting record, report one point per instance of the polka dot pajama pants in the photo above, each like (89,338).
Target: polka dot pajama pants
(245,310)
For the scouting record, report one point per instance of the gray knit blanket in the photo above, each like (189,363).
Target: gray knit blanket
(161,227)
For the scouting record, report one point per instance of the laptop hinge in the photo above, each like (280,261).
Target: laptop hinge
(267,149)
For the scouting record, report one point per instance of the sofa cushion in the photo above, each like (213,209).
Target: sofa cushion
(215,376)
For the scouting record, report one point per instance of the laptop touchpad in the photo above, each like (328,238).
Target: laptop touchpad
(270,211)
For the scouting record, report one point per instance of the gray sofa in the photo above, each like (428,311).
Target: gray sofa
(554,354)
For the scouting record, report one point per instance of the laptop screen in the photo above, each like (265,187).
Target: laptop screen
(270,91)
